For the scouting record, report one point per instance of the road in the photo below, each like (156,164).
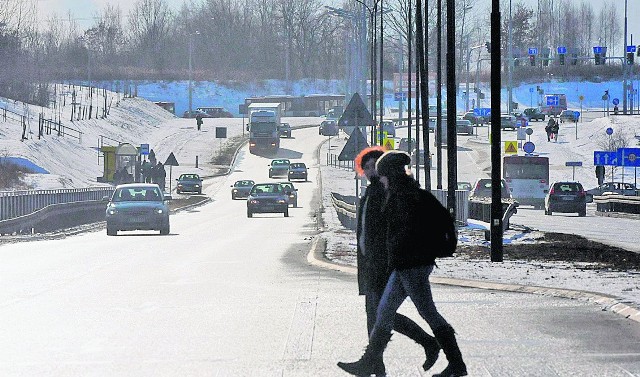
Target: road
(225,295)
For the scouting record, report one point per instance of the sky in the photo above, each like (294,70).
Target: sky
(85,9)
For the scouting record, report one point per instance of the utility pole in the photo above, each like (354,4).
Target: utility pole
(625,72)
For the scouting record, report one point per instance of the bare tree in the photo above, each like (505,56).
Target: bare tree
(149,27)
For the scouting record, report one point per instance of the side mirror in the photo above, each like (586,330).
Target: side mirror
(167,196)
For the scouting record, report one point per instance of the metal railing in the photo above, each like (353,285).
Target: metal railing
(14,204)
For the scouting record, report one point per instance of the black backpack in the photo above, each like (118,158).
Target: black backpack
(443,236)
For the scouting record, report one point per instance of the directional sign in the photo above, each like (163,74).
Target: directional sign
(482,111)
(631,48)
(616,101)
(144,149)
(573,163)
(597,49)
(400,96)
(629,156)
(553,101)
(605,158)
(533,51)
(562,50)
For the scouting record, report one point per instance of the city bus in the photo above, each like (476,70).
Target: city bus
(527,178)
(310,105)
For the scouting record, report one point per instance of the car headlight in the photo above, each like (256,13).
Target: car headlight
(179,184)
(112,211)
(234,191)
(281,201)
(159,211)
(196,186)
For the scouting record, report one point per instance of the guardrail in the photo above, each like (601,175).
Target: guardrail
(616,203)
(16,204)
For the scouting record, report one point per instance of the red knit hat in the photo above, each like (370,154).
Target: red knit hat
(370,152)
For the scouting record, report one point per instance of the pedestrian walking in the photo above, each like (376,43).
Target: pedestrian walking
(160,175)
(548,128)
(372,257)
(199,121)
(410,264)
(554,130)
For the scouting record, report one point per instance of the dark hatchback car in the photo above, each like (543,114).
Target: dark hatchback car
(189,183)
(279,167)
(240,189)
(482,188)
(566,197)
(298,170)
(328,128)
(292,192)
(284,130)
(137,206)
(267,198)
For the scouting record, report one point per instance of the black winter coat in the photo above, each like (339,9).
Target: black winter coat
(373,272)
(407,229)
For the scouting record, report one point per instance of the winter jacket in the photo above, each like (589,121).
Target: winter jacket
(407,228)
(373,272)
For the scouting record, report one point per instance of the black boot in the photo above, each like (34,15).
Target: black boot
(446,337)
(409,328)
(371,362)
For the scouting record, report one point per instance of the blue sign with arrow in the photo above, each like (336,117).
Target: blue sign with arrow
(616,101)
(553,101)
(482,111)
(562,50)
(605,158)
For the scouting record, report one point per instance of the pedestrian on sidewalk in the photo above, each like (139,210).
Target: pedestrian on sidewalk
(410,265)
(372,257)
(548,128)
(554,130)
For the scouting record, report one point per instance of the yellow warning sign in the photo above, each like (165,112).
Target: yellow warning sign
(510,147)
(389,143)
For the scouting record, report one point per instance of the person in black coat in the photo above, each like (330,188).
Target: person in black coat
(372,256)
(410,264)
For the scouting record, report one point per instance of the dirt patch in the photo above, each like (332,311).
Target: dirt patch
(562,247)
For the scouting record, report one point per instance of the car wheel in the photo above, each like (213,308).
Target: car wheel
(286,213)
(199,192)
(111,232)
(249,214)
(295,204)
(233,197)
(165,230)
(270,175)
(582,213)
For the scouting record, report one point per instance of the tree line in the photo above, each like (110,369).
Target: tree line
(251,40)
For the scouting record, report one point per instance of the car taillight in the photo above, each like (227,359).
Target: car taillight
(581,193)
(552,191)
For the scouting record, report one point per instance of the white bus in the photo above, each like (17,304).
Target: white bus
(527,178)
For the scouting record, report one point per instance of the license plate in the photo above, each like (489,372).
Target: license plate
(268,208)
(137,219)
(567,198)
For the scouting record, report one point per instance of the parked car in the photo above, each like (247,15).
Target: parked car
(240,189)
(508,121)
(137,206)
(189,183)
(215,112)
(284,130)
(267,198)
(619,188)
(473,118)
(298,170)
(482,188)
(534,113)
(194,113)
(279,167)
(419,157)
(568,116)
(463,186)
(464,126)
(388,127)
(566,197)
(403,145)
(292,192)
(329,128)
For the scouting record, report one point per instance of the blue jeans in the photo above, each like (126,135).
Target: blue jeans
(413,283)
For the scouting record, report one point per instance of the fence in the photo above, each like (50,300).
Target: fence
(14,204)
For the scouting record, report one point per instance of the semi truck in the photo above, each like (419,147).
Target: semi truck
(263,127)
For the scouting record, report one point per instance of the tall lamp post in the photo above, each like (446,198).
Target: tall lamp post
(190,70)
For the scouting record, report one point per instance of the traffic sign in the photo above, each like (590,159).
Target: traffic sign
(533,51)
(171,160)
(510,147)
(631,48)
(354,145)
(531,90)
(553,101)
(144,149)
(356,114)
(529,131)
(581,98)
(609,131)
(400,96)
(597,49)
(573,163)
(562,50)
(577,114)
(605,158)
(616,101)
(482,111)
(528,147)
(629,156)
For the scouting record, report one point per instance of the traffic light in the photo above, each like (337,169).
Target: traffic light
(630,58)
(532,60)
(488,46)
(561,58)
(597,59)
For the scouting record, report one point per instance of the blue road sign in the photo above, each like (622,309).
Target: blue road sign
(616,101)
(609,131)
(482,111)
(553,101)
(573,163)
(577,113)
(528,147)
(562,50)
(531,90)
(631,48)
(400,96)
(597,49)
(533,51)
(144,149)
(629,156)
(605,158)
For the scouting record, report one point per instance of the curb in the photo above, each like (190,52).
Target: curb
(317,258)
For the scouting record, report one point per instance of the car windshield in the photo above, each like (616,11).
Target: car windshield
(279,162)
(297,165)
(244,183)
(287,186)
(137,194)
(189,177)
(266,189)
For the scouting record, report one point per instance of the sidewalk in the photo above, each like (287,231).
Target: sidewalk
(335,249)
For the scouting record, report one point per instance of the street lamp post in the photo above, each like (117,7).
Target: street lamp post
(468,74)
(190,71)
